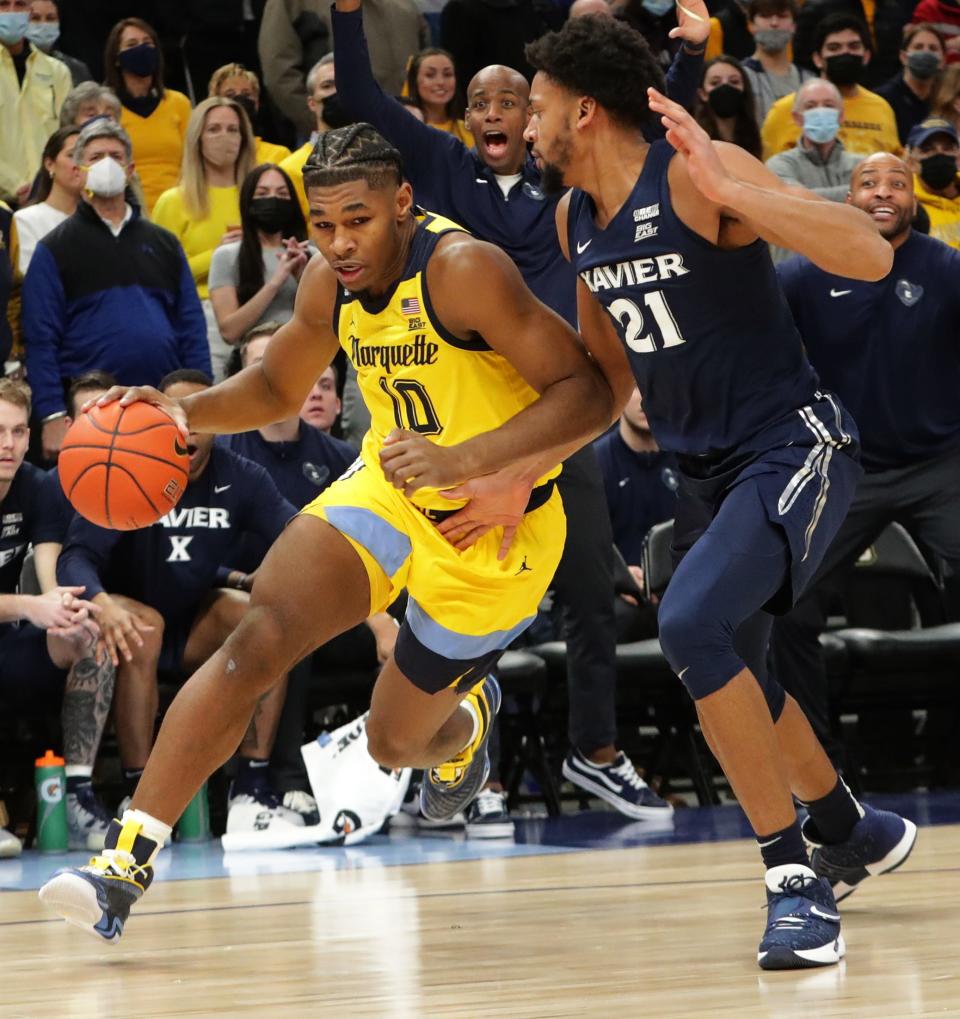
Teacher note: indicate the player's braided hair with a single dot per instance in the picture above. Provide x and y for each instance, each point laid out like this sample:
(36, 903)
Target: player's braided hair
(349, 153)
(604, 58)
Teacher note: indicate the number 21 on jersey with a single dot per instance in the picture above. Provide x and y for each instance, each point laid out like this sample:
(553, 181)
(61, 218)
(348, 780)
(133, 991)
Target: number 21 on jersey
(631, 318)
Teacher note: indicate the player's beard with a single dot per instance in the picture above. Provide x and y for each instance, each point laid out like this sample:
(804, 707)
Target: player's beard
(901, 226)
(551, 176)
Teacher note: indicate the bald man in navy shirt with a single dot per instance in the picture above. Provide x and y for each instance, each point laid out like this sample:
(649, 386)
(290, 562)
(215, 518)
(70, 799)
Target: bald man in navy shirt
(891, 351)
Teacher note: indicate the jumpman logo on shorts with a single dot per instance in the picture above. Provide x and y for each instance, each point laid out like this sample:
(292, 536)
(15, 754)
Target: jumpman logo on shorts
(523, 567)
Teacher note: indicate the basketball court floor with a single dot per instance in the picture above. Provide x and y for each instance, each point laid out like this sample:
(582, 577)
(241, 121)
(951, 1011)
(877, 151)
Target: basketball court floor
(584, 915)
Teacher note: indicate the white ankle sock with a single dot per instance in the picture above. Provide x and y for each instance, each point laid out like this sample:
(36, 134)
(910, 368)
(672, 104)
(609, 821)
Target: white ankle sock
(151, 827)
(467, 706)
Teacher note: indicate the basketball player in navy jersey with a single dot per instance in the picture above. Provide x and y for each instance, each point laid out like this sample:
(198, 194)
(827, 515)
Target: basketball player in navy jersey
(677, 290)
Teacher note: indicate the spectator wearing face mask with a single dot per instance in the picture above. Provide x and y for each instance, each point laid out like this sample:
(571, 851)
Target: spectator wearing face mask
(771, 73)
(86, 101)
(322, 103)
(203, 211)
(654, 20)
(944, 15)
(725, 107)
(909, 92)
(106, 290)
(44, 31)
(818, 162)
(236, 82)
(155, 117)
(932, 155)
(882, 19)
(842, 52)
(33, 87)
(255, 279)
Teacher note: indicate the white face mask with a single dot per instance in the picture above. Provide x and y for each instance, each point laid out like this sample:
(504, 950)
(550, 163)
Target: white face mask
(106, 178)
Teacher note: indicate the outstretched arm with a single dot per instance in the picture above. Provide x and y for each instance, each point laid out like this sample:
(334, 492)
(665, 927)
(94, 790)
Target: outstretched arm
(838, 238)
(574, 403)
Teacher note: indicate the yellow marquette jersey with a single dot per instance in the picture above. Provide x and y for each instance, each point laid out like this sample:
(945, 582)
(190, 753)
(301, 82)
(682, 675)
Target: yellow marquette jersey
(414, 374)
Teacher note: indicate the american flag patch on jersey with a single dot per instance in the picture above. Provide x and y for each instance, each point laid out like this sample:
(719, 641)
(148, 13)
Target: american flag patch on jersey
(410, 305)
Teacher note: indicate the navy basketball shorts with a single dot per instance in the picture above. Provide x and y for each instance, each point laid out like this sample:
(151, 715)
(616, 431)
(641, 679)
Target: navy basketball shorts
(751, 529)
(28, 678)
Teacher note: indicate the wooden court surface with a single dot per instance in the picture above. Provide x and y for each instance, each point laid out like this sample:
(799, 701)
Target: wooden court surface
(660, 931)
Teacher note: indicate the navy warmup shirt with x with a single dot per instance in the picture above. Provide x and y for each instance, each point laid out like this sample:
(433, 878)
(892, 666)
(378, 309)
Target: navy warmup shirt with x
(173, 564)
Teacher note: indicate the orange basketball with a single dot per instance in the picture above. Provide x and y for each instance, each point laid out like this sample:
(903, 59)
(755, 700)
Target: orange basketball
(123, 467)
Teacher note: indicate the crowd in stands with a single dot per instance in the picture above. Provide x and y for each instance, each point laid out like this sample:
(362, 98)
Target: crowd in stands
(154, 230)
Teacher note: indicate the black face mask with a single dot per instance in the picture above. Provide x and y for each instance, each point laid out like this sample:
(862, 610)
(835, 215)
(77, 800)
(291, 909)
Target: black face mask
(845, 68)
(334, 115)
(938, 171)
(271, 215)
(249, 106)
(140, 60)
(725, 100)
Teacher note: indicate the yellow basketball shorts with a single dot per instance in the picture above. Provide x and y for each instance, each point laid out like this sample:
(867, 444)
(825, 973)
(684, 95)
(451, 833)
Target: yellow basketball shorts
(464, 608)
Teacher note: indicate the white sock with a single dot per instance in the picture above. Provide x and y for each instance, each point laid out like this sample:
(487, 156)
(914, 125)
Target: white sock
(151, 827)
(79, 771)
(467, 706)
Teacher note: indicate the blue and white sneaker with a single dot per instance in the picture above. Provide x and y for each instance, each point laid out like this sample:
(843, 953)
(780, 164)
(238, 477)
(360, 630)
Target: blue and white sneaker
(618, 784)
(87, 820)
(449, 788)
(803, 925)
(97, 898)
(880, 842)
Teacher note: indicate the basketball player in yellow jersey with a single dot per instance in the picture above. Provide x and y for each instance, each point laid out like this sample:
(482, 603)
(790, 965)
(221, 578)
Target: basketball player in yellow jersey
(451, 350)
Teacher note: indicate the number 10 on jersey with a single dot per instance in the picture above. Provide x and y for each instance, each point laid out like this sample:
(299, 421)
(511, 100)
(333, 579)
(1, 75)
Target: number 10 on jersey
(630, 317)
(412, 407)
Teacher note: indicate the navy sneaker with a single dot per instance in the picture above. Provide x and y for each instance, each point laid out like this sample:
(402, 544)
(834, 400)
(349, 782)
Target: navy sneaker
(88, 821)
(803, 925)
(447, 789)
(97, 898)
(880, 842)
(618, 783)
(488, 818)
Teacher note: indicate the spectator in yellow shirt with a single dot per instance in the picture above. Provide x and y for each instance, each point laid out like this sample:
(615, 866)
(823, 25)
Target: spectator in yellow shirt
(932, 151)
(153, 116)
(240, 84)
(203, 210)
(321, 84)
(432, 85)
(842, 51)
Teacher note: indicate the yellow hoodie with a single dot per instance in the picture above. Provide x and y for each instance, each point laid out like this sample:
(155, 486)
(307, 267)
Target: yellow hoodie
(944, 213)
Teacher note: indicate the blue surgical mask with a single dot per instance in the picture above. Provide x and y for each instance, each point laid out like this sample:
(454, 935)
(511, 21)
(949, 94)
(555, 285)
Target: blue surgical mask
(13, 26)
(821, 124)
(43, 34)
(658, 7)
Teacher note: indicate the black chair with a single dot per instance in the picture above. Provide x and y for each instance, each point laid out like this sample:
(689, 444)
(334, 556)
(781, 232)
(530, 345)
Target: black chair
(891, 672)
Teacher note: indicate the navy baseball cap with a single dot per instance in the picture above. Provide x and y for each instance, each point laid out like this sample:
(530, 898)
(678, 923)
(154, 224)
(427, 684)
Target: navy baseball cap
(928, 128)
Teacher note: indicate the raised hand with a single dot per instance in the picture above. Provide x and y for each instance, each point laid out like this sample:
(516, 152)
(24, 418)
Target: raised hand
(693, 23)
(704, 166)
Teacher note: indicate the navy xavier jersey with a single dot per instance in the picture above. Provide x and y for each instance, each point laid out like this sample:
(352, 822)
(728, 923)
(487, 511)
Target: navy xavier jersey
(29, 514)
(709, 335)
(173, 564)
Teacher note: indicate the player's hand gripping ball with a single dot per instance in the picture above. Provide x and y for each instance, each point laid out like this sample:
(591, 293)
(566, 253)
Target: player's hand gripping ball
(123, 467)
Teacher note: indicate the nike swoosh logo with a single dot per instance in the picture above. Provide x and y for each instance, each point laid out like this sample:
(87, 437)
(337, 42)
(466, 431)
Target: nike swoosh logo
(824, 916)
(839, 293)
(763, 845)
(623, 481)
(220, 488)
(682, 671)
(480, 180)
(581, 248)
